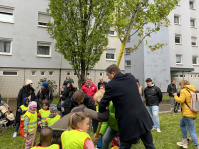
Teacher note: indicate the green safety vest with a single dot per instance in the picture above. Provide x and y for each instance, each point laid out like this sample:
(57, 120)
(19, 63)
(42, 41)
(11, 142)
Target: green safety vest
(54, 146)
(74, 139)
(32, 120)
(23, 108)
(44, 115)
(51, 121)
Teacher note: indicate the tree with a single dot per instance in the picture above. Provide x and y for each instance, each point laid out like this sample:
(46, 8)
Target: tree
(51, 84)
(139, 19)
(80, 29)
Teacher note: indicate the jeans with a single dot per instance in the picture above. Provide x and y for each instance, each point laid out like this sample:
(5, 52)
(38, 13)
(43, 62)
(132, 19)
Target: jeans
(153, 112)
(17, 127)
(146, 138)
(172, 102)
(188, 123)
(108, 137)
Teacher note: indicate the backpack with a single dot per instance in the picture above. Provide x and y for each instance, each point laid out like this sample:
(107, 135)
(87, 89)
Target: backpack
(194, 101)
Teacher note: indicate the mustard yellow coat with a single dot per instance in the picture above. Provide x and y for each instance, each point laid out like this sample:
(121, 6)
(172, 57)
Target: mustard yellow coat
(185, 95)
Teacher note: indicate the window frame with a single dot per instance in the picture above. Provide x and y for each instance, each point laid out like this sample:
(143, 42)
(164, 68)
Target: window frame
(44, 44)
(181, 59)
(179, 19)
(10, 11)
(126, 63)
(2, 73)
(196, 42)
(111, 51)
(43, 72)
(7, 39)
(127, 51)
(43, 13)
(178, 35)
(50, 74)
(112, 34)
(101, 73)
(194, 7)
(196, 60)
(34, 74)
(195, 24)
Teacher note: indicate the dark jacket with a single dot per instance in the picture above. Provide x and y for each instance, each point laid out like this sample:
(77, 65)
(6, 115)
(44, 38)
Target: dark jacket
(104, 83)
(171, 89)
(22, 94)
(65, 83)
(130, 112)
(153, 95)
(41, 95)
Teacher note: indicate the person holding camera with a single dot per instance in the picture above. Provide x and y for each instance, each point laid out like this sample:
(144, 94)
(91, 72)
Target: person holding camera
(188, 116)
(171, 89)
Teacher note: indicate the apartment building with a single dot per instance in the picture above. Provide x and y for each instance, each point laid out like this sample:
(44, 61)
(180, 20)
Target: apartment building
(179, 59)
(27, 51)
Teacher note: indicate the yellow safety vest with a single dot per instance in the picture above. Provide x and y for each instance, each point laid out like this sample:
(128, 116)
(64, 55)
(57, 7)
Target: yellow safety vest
(23, 108)
(51, 121)
(74, 139)
(44, 115)
(32, 120)
(54, 146)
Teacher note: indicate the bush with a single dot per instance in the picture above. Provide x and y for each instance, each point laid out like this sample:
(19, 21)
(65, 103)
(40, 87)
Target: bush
(51, 84)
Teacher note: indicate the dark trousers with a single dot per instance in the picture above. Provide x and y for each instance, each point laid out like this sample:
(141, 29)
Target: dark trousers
(146, 138)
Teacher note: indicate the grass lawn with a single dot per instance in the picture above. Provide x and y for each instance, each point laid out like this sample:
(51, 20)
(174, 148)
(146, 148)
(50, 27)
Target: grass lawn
(165, 97)
(165, 140)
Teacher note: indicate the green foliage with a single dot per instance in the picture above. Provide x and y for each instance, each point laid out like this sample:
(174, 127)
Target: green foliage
(141, 18)
(80, 29)
(51, 84)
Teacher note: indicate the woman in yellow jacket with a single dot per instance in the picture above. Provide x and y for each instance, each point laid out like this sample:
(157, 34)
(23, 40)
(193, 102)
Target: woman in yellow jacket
(188, 116)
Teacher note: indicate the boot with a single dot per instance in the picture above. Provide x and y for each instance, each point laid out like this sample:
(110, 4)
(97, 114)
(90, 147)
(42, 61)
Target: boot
(183, 144)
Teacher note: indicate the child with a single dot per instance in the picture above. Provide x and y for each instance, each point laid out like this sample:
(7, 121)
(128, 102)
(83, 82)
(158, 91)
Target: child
(22, 110)
(43, 113)
(46, 137)
(76, 136)
(30, 124)
(53, 117)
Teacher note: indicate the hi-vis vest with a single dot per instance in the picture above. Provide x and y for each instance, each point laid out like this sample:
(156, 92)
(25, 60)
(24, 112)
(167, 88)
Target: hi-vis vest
(54, 146)
(23, 108)
(32, 120)
(74, 139)
(44, 115)
(51, 121)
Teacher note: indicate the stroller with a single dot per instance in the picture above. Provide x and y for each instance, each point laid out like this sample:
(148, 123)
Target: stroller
(7, 118)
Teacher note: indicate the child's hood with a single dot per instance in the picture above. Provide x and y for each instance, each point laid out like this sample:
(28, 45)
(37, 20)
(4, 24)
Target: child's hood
(24, 100)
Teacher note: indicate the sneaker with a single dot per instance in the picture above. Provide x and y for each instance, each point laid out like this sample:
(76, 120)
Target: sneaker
(158, 130)
(183, 144)
(153, 128)
(14, 135)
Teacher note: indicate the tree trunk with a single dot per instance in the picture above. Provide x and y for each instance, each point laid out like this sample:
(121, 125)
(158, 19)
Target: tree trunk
(82, 75)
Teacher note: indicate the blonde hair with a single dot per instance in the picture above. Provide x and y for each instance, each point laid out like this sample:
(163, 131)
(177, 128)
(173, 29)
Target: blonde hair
(76, 118)
(183, 83)
(98, 96)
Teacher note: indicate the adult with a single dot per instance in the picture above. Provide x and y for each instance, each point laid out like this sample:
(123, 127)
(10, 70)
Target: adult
(171, 89)
(26, 91)
(66, 81)
(45, 93)
(153, 97)
(89, 87)
(188, 116)
(101, 82)
(140, 89)
(64, 104)
(133, 119)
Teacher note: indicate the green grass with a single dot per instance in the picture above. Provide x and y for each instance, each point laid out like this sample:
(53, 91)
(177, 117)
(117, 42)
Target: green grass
(55, 101)
(167, 139)
(165, 97)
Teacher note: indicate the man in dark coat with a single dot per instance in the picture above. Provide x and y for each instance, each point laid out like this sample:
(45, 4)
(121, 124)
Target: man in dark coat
(171, 90)
(133, 119)
(101, 82)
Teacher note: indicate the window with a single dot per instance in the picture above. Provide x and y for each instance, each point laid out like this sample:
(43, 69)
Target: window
(192, 4)
(88, 73)
(129, 39)
(193, 22)
(110, 54)
(10, 73)
(191, 76)
(178, 3)
(68, 73)
(5, 46)
(178, 59)
(195, 76)
(43, 19)
(50, 73)
(175, 76)
(182, 76)
(101, 74)
(42, 73)
(194, 41)
(194, 60)
(127, 51)
(6, 14)
(176, 19)
(75, 74)
(33, 73)
(111, 32)
(178, 39)
(128, 63)
(43, 49)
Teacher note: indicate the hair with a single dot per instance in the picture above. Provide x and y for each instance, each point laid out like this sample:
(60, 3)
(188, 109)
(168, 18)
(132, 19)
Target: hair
(76, 118)
(183, 83)
(172, 80)
(46, 102)
(113, 68)
(102, 85)
(88, 78)
(137, 81)
(46, 135)
(78, 95)
(148, 80)
(98, 96)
